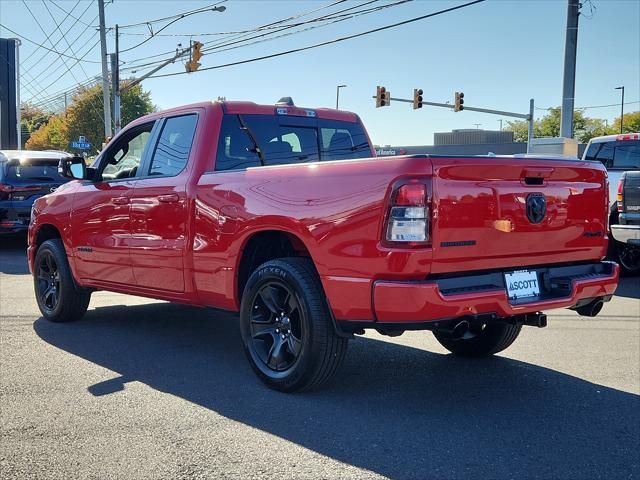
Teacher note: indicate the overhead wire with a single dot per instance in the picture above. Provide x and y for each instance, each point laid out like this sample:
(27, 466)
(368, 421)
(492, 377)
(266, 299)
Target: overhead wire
(328, 42)
(338, 18)
(26, 39)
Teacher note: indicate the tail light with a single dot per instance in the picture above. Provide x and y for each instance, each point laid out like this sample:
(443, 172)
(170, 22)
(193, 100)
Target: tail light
(5, 191)
(620, 195)
(408, 219)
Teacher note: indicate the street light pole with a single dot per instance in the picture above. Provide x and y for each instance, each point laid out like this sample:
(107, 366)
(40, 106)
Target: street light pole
(621, 109)
(338, 94)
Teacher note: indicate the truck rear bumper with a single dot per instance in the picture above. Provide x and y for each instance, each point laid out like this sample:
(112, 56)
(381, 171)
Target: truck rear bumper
(485, 293)
(626, 233)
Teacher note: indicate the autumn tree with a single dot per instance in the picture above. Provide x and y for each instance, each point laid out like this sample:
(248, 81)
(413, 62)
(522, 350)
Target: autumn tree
(31, 119)
(84, 116)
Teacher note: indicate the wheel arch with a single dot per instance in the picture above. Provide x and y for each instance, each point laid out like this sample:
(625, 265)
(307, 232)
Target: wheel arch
(263, 245)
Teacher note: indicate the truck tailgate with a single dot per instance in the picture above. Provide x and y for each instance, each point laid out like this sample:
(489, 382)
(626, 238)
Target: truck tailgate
(493, 213)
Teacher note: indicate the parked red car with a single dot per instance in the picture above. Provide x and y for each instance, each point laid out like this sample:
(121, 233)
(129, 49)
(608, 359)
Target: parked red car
(284, 215)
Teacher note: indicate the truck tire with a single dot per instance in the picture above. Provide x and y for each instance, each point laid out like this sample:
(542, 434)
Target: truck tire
(625, 255)
(286, 328)
(58, 297)
(493, 338)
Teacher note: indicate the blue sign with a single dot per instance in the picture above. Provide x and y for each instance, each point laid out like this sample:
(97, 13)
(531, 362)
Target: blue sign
(81, 144)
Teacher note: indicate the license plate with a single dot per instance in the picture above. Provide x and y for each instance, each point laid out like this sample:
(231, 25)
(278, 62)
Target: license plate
(523, 283)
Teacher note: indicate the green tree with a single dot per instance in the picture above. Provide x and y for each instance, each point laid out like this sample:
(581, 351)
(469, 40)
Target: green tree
(31, 119)
(84, 116)
(584, 128)
(631, 123)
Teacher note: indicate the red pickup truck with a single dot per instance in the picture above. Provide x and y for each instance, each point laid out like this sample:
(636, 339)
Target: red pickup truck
(284, 215)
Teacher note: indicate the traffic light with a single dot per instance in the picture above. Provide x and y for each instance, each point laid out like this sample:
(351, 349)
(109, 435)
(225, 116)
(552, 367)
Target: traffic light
(459, 102)
(193, 64)
(383, 98)
(417, 98)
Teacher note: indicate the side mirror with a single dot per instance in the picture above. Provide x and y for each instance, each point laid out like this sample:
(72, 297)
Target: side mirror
(73, 168)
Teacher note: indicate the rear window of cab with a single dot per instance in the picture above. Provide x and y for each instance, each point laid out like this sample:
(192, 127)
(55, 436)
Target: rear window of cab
(261, 140)
(615, 154)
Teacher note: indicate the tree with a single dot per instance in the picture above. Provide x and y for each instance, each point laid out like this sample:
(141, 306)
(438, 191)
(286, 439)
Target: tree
(584, 128)
(631, 123)
(53, 135)
(84, 116)
(31, 119)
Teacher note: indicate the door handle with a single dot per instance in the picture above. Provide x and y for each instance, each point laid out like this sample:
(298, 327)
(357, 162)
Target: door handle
(170, 198)
(120, 200)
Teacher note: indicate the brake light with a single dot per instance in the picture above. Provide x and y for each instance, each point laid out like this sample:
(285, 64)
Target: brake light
(630, 136)
(408, 221)
(620, 196)
(5, 190)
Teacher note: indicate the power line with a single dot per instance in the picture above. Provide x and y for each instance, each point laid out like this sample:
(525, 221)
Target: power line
(177, 15)
(56, 44)
(50, 65)
(338, 18)
(69, 14)
(266, 25)
(329, 42)
(42, 46)
(592, 106)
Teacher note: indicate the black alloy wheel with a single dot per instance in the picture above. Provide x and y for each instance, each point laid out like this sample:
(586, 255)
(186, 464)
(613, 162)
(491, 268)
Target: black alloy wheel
(58, 297)
(287, 332)
(276, 326)
(48, 278)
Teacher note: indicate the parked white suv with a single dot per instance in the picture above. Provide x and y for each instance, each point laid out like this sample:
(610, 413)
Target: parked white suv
(619, 153)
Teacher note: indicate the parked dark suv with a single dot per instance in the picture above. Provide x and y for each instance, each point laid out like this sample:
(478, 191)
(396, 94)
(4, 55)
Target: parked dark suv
(25, 176)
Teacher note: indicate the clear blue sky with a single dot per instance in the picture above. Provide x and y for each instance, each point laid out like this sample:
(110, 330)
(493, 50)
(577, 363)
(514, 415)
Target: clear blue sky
(500, 53)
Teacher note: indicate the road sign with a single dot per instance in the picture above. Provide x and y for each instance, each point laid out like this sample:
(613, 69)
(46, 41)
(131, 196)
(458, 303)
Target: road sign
(81, 143)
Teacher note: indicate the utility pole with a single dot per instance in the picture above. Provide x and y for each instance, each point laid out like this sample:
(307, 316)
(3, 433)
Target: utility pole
(530, 133)
(569, 80)
(115, 74)
(105, 73)
(621, 109)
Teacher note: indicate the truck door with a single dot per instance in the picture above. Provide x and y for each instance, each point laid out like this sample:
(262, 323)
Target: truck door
(101, 220)
(159, 208)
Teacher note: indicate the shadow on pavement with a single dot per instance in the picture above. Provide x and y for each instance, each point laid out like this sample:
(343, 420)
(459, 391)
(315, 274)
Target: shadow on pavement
(13, 254)
(395, 410)
(628, 287)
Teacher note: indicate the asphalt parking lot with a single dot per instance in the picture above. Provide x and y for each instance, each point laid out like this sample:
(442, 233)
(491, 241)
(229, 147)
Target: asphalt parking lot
(147, 389)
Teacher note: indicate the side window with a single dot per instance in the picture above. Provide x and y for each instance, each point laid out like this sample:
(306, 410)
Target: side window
(291, 145)
(602, 152)
(122, 160)
(174, 144)
(235, 148)
(342, 141)
(626, 154)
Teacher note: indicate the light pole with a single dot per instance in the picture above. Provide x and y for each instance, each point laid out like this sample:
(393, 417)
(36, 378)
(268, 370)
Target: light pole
(621, 109)
(500, 124)
(338, 94)
(477, 125)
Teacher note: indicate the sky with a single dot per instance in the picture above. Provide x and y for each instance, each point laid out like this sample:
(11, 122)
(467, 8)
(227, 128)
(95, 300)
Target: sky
(500, 53)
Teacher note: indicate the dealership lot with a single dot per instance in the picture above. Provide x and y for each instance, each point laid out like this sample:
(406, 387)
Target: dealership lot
(145, 389)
